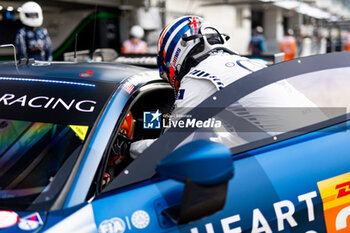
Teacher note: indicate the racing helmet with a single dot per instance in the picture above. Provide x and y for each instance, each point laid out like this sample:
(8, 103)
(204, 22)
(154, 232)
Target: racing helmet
(128, 127)
(136, 31)
(31, 14)
(259, 30)
(184, 43)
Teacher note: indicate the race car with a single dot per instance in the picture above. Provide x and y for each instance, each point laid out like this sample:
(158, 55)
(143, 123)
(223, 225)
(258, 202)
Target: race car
(62, 170)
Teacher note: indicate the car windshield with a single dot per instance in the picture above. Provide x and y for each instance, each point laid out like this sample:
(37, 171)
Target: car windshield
(43, 127)
(31, 153)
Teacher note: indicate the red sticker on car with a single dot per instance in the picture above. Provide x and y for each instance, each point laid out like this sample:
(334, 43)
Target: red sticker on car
(86, 74)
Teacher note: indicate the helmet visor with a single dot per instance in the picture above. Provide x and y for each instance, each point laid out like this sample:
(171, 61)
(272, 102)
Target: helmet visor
(32, 15)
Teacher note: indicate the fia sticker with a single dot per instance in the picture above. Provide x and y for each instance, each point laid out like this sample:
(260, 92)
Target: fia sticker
(113, 225)
(30, 222)
(8, 218)
(140, 219)
(86, 74)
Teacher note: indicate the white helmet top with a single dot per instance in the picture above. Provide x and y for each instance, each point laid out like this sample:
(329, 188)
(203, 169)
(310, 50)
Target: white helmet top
(136, 31)
(259, 29)
(290, 32)
(185, 42)
(31, 14)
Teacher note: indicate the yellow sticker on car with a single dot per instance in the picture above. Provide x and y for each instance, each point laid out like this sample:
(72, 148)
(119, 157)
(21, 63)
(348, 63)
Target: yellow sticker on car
(335, 194)
(80, 130)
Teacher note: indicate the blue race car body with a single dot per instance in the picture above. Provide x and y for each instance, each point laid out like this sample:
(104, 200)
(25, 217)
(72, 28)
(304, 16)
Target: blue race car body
(60, 122)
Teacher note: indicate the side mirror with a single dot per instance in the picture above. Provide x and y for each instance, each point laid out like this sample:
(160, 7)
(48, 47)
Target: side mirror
(205, 167)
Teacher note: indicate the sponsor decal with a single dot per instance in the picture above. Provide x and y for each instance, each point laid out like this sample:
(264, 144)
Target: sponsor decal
(335, 193)
(140, 219)
(8, 218)
(128, 87)
(80, 130)
(151, 120)
(134, 81)
(196, 73)
(47, 102)
(86, 74)
(114, 225)
(176, 55)
(284, 211)
(230, 64)
(30, 222)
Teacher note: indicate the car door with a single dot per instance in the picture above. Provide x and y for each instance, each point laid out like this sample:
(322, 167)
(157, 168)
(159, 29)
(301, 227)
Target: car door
(292, 179)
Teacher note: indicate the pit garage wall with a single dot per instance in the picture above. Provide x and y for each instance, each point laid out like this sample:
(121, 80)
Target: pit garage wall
(62, 24)
(232, 20)
(273, 19)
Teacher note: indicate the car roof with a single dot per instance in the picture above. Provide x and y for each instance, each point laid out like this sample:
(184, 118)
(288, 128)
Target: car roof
(99, 71)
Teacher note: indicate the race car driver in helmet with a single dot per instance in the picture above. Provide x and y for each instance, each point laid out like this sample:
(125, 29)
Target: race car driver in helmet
(33, 41)
(197, 61)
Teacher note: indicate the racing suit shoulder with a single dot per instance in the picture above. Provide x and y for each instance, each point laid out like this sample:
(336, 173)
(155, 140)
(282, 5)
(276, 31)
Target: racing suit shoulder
(221, 69)
(211, 75)
(44, 30)
(21, 31)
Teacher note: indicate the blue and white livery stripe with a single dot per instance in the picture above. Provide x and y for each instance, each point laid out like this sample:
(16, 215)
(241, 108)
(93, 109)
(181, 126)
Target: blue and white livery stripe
(174, 42)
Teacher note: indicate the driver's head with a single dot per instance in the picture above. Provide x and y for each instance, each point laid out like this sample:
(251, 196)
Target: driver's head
(31, 14)
(185, 42)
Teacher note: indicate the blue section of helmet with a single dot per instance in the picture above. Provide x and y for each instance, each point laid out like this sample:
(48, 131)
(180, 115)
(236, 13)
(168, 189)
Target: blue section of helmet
(159, 64)
(170, 31)
(174, 42)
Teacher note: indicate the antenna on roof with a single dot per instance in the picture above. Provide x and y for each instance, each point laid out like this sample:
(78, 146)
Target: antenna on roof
(93, 33)
(14, 53)
(75, 47)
